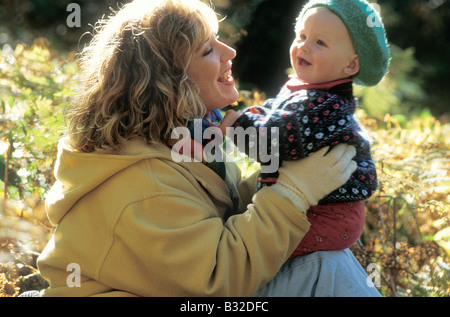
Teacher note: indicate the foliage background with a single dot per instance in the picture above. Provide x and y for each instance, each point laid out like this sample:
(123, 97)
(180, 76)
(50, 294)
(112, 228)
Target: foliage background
(407, 232)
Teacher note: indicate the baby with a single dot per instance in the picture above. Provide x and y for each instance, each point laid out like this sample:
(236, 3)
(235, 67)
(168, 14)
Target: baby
(337, 42)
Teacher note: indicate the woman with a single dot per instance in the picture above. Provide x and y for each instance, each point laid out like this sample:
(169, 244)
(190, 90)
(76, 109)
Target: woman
(131, 221)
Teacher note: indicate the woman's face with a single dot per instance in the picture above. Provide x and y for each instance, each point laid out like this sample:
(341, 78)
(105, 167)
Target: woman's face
(210, 68)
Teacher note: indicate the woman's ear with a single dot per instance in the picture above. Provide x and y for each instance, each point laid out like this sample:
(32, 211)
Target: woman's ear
(353, 66)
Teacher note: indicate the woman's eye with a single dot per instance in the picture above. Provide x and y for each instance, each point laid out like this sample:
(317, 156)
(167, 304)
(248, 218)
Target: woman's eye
(208, 51)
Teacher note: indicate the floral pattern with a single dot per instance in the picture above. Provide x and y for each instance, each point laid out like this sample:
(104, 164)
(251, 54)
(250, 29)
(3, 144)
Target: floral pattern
(309, 120)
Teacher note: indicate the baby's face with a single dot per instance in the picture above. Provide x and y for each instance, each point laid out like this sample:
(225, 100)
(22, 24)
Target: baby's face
(323, 50)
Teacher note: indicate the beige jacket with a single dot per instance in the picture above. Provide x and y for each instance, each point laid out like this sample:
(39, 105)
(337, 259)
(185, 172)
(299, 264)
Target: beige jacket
(139, 224)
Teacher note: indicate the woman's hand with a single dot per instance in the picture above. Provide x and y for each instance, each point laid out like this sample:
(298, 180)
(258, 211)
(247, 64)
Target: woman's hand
(228, 120)
(308, 180)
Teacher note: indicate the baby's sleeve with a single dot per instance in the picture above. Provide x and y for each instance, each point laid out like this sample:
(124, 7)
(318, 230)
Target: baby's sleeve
(330, 122)
(324, 120)
(268, 132)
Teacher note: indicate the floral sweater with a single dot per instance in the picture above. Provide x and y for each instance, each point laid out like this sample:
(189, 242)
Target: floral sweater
(310, 117)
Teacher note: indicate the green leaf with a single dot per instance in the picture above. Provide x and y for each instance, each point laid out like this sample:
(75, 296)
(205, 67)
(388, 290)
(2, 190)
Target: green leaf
(13, 178)
(11, 101)
(425, 114)
(24, 127)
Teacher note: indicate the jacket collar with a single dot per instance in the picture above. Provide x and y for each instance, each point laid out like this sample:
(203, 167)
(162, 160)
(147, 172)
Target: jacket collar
(79, 173)
(209, 180)
(295, 84)
(342, 87)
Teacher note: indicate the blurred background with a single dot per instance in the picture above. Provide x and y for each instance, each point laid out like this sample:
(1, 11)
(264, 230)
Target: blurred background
(262, 31)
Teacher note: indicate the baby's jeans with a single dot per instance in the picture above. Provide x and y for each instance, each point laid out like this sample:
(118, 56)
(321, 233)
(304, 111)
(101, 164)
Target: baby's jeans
(321, 274)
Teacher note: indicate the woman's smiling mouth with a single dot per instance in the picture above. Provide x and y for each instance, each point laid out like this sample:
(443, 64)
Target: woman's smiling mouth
(226, 77)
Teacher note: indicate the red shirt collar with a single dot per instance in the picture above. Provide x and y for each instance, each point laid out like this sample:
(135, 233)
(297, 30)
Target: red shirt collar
(295, 84)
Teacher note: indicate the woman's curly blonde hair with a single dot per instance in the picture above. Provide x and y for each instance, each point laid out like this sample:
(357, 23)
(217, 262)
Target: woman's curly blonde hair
(133, 75)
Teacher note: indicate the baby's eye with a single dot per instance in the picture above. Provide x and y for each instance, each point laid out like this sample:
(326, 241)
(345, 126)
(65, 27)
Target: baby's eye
(302, 37)
(321, 43)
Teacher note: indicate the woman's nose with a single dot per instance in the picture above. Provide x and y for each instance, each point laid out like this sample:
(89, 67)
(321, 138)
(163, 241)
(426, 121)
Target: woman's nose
(228, 53)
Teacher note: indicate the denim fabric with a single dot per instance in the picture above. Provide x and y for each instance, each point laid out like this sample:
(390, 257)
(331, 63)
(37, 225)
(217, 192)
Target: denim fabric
(320, 274)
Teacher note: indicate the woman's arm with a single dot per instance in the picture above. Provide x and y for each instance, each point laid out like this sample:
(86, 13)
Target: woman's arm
(179, 246)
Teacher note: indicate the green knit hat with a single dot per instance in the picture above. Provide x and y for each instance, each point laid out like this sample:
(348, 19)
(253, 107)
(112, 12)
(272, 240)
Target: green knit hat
(367, 33)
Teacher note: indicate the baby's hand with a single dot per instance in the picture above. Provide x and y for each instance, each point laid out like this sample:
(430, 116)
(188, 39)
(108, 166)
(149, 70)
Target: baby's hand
(228, 120)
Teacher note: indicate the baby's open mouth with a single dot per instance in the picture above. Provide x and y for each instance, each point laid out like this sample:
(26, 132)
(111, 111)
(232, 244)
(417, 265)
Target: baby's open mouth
(303, 62)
